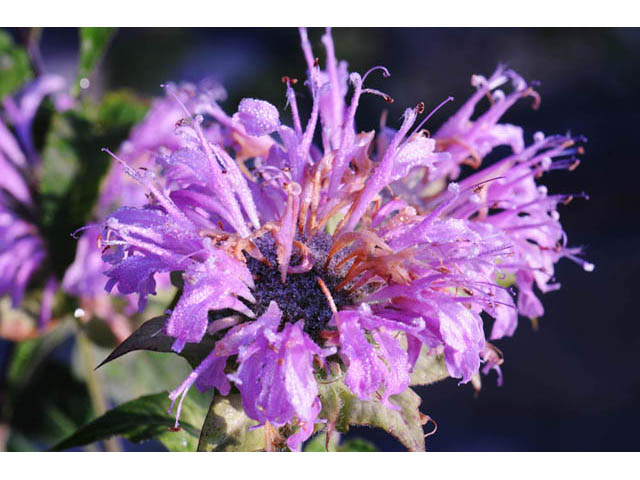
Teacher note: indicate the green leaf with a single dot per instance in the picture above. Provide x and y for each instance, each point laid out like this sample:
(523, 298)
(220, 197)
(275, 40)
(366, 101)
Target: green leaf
(226, 428)
(72, 148)
(505, 279)
(342, 409)
(318, 444)
(60, 158)
(18, 442)
(132, 375)
(357, 445)
(15, 68)
(140, 373)
(100, 333)
(42, 402)
(73, 166)
(142, 419)
(93, 43)
(28, 355)
(50, 406)
(429, 369)
(121, 109)
(150, 336)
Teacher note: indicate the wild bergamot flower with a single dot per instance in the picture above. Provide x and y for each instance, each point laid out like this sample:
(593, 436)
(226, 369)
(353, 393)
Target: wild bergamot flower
(23, 251)
(351, 255)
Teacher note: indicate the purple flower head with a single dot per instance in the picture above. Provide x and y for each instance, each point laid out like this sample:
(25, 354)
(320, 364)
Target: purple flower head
(22, 249)
(301, 263)
(506, 195)
(23, 252)
(86, 276)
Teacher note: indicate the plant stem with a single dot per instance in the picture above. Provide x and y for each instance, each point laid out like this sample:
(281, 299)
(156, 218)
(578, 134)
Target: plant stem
(94, 386)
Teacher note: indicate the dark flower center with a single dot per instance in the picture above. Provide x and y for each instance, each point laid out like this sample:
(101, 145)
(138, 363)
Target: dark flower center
(301, 297)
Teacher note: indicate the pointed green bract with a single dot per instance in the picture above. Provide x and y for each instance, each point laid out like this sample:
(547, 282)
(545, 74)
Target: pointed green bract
(428, 369)
(342, 408)
(227, 428)
(150, 336)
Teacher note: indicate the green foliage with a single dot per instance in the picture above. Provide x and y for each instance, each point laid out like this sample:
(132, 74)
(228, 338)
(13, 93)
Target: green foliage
(131, 376)
(41, 401)
(120, 110)
(506, 280)
(15, 68)
(28, 355)
(342, 409)
(60, 160)
(318, 444)
(150, 336)
(142, 419)
(428, 369)
(357, 445)
(73, 165)
(93, 43)
(140, 373)
(44, 402)
(226, 428)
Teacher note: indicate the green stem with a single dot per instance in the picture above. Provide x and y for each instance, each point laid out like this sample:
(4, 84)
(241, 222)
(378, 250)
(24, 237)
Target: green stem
(94, 386)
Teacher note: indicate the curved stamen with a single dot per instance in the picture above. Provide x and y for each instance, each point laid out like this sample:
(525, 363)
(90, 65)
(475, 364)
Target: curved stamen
(385, 72)
(373, 91)
(442, 104)
(174, 94)
(587, 266)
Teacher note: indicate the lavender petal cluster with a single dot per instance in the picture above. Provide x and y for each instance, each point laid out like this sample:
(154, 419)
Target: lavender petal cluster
(23, 251)
(85, 277)
(355, 254)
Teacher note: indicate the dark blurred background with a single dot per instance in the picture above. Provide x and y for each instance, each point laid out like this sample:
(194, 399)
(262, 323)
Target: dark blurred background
(571, 385)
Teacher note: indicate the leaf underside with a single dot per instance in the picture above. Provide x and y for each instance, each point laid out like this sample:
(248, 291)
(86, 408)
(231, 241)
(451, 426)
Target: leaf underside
(150, 336)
